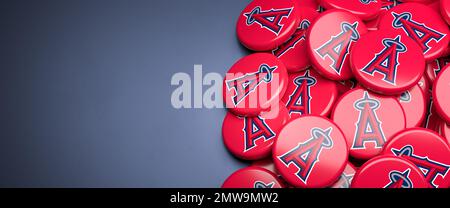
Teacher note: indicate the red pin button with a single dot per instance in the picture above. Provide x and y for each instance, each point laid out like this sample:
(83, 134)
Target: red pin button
(441, 91)
(310, 152)
(445, 10)
(364, 9)
(414, 103)
(330, 39)
(293, 53)
(436, 66)
(422, 24)
(427, 150)
(264, 24)
(389, 172)
(308, 93)
(368, 120)
(254, 83)
(346, 177)
(386, 62)
(252, 177)
(445, 131)
(251, 138)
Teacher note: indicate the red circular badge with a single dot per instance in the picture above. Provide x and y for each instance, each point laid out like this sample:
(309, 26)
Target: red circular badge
(427, 150)
(254, 83)
(346, 177)
(293, 53)
(389, 172)
(252, 177)
(414, 103)
(441, 89)
(251, 138)
(368, 120)
(445, 10)
(422, 24)
(264, 24)
(435, 67)
(308, 93)
(364, 9)
(310, 152)
(330, 39)
(386, 62)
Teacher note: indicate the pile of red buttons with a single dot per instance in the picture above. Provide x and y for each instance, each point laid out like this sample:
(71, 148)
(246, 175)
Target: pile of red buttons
(341, 94)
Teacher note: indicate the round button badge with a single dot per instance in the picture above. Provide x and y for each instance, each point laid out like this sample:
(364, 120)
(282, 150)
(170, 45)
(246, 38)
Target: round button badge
(308, 93)
(252, 177)
(427, 150)
(330, 39)
(265, 24)
(310, 152)
(386, 62)
(251, 138)
(254, 84)
(368, 120)
(389, 172)
(422, 24)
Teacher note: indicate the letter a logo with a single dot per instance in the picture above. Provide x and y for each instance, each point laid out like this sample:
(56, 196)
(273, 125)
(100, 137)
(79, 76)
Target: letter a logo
(417, 31)
(255, 128)
(268, 19)
(244, 85)
(399, 179)
(300, 100)
(430, 168)
(368, 127)
(305, 155)
(386, 61)
(337, 47)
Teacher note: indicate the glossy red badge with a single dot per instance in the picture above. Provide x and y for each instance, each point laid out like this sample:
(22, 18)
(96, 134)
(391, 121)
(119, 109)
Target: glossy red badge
(252, 177)
(427, 150)
(345, 180)
(445, 10)
(364, 9)
(251, 138)
(265, 24)
(389, 172)
(308, 93)
(310, 152)
(368, 120)
(441, 98)
(386, 62)
(414, 103)
(330, 39)
(254, 84)
(435, 67)
(293, 53)
(422, 24)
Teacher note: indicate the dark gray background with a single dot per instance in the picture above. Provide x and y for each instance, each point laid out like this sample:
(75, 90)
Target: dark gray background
(85, 92)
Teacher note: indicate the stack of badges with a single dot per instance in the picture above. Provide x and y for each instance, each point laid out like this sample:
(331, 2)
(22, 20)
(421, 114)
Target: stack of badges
(340, 94)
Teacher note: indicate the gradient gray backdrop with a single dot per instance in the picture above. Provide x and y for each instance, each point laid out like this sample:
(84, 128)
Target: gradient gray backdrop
(85, 92)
